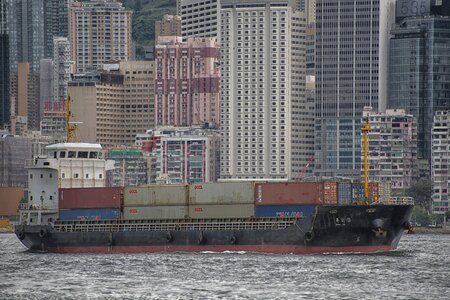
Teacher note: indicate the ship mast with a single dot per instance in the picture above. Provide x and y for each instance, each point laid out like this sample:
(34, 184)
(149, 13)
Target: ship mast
(71, 126)
(365, 131)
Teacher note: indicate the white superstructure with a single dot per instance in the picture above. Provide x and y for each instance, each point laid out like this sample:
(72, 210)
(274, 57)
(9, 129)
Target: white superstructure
(66, 165)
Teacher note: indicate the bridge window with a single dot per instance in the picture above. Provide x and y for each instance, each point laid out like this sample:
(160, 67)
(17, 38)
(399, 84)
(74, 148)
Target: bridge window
(100, 176)
(72, 154)
(93, 154)
(82, 154)
(62, 154)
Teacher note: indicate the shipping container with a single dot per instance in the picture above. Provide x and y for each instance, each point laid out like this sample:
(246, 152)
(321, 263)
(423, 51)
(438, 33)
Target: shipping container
(293, 193)
(221, 193)
(89, 214)
(154, 212)
(95, 197)
(344, 193)
(221, 211)
(284, 211)
(358, 191)
(156, 195)
(330, 193)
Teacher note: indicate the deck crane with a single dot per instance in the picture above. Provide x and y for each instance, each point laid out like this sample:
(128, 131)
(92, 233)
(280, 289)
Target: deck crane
(365, 131)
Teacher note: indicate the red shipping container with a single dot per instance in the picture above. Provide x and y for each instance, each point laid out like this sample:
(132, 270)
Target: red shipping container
(100, 197)
(330, 192)
(290, 193)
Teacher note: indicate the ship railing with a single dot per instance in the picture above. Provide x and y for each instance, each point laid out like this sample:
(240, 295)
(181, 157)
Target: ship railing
(397, 201)
(260, 225)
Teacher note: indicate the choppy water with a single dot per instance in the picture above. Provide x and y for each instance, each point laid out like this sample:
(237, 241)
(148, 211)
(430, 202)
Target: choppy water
(419, 269)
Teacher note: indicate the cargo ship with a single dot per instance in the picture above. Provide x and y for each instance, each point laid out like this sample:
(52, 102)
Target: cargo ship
(70, 210)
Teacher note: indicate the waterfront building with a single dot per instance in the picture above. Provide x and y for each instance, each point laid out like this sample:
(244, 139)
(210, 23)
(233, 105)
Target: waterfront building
(392, 149)
(14, 152)
(181, 154)
(100, 31)
(187, 81)
(54, 121)
(130, 167)
(352, 48)
(262, 59)
(420, 70)
(440, 158)
(116, 105)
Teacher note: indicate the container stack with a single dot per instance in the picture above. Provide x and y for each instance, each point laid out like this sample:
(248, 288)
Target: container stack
(221, 200)
(208, 200)
(292, 199)
(90, 203)
(358, 191)
(156, 202)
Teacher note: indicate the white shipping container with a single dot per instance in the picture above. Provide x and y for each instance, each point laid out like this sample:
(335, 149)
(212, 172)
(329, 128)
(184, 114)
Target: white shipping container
(221, 193)
(156, 195)
(221, 211)
(154, 212)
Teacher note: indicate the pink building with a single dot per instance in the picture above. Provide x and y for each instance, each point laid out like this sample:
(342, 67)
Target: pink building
(187, 81)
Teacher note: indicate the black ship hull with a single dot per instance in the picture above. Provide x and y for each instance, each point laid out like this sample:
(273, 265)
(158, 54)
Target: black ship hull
(364, 228)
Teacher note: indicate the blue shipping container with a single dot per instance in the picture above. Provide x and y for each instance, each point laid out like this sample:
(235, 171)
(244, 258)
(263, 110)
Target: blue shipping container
(344, 193)
(284, 211)
(89, 214)
(357, 192)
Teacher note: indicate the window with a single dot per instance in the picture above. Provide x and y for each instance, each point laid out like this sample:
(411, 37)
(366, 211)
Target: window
(82, 154)
(87, 176)
(42, 175)
(63, 175)
(31, 176)
(62, 154)
(50, 175)
(72, 154)
(100, 176)
(75, 175)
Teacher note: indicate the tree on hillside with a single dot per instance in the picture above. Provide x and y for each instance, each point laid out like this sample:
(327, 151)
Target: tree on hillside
(421, 191)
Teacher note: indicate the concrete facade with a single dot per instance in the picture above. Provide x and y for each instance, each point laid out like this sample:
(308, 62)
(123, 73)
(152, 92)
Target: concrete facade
(187, 81)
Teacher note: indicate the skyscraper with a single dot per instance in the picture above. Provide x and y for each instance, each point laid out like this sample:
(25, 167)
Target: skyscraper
(32, 26)
(62, 67)
(100, 31)
(440, 157)
(259, 111)
(420, 70)
(199, 18)
(5, 105)
(352, 47)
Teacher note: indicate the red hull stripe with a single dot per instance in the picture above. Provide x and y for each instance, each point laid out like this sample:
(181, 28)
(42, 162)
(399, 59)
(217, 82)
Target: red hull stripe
(276, 249)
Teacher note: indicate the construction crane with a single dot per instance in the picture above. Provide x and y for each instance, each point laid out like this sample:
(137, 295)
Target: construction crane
(365, 131)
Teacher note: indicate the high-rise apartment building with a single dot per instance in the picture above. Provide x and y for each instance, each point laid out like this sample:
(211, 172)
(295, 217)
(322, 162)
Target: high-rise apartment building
(31, 27)
(308, 7)
(182, 154)
(259, 107)
(199, 18)
(352, 47)
(100, 32)
(440, 157)
(118, 106)
(62, 68)
(419, 73)
(392, 148)
(14, 152)
(187, 81)
(5, 102)
(168, 26)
